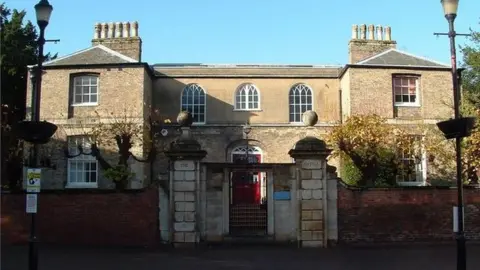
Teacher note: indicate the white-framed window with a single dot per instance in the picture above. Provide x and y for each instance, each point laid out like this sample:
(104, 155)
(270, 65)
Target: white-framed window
(247, 97)
(406, 90)
(300, 100)
(83, 169)
(85, 90)
(193, 100)
(413, 171)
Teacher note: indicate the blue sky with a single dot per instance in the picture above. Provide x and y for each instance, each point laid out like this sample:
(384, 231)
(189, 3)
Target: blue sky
(255, 31)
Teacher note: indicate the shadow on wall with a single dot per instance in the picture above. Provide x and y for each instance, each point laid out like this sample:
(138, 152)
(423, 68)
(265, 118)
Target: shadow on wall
(167, 96)
(55, 167)
(221, 122)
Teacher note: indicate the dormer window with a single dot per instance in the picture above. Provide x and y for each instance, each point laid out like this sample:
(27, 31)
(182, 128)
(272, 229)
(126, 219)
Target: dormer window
(85, 90)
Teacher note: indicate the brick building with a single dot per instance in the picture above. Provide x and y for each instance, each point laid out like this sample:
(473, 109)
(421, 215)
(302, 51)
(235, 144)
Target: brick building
(109, 77)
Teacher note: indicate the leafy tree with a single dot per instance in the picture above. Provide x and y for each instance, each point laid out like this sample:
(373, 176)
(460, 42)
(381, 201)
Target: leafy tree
(18, 48)
(373, 147)
(471, 104)
(471, 74)
(120, 134)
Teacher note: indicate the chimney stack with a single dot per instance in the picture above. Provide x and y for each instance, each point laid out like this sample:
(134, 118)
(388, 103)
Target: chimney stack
(361, 48)
(119, 36)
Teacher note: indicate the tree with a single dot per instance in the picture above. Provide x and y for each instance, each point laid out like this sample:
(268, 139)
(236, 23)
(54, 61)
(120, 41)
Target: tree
(373, 146)
(18, 48)
(471, 74)
(119, 134)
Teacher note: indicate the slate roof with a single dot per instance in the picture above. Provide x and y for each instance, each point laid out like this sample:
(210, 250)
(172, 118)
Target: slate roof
(394, 57)
(246, 71)
(94, 55)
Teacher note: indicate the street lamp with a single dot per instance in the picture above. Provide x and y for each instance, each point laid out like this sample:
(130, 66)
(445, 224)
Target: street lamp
(456, 128)
(246, 130)
(35, 131)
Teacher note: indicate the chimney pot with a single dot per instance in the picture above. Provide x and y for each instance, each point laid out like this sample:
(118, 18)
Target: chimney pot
(97, 30)
(388, 33)
(379, 32)
(355, 31)
(126, 29)
(111, 30)
(363, 31)
(118, 30)
(371, 32)
(135, 29)
(103, 32)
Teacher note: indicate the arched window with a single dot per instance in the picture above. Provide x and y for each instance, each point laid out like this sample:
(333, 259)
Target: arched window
(300, 101)
(247, 97)
(193, 101)
(254, 153)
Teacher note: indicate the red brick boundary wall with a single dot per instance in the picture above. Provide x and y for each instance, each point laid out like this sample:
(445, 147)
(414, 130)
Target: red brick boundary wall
(420, 214)
(127, 218)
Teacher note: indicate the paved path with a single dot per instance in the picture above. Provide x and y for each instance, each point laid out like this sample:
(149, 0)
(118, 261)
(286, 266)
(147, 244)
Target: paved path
(238, 258)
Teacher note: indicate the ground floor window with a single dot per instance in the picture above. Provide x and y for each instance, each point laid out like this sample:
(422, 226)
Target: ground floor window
(82, 169)
(413, 163)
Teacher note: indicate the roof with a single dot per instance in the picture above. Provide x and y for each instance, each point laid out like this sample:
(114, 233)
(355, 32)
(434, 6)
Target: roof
(192, 70)
(397, 58)
(94, 55)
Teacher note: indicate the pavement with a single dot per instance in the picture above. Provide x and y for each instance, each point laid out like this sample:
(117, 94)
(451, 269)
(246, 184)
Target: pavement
(411, 257)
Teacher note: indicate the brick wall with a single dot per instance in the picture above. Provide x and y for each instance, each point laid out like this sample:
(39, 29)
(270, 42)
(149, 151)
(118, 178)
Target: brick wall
(76, 217)
(403, 214)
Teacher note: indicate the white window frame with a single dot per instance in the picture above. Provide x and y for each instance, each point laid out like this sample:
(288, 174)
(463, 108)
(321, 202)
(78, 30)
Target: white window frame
(298, 90)
(194, 89)
(404, 87)
(78, 82)
(73, 141)
(243, 90)
(420, 167)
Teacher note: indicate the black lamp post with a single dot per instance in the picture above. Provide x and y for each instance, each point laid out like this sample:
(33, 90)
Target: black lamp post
(246, 130)
(34, 131)
(456, 128)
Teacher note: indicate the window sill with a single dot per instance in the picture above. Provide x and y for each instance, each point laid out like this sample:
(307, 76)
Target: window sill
(247, 110)
(409, 105)
(412, 184)
(84, 105)
(73, 186)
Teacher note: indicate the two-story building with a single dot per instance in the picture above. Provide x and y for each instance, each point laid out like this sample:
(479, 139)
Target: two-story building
(110, 77)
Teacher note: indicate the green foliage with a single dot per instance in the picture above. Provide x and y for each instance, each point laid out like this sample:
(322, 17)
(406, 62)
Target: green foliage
(471, 74)
(350, 173)
(119, 174)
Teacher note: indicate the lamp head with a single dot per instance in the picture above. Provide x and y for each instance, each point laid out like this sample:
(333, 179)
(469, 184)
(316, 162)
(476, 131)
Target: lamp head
(43, 11)
(450, 8)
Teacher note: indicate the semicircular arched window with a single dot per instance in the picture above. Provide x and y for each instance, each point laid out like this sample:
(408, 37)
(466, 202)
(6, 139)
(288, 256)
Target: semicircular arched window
(247, 97)
(194, 101)
(300, 100)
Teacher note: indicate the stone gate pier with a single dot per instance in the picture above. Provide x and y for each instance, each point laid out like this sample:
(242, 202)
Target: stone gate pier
(315, 193)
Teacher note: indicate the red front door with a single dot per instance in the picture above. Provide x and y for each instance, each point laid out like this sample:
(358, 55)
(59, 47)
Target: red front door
(246, 185)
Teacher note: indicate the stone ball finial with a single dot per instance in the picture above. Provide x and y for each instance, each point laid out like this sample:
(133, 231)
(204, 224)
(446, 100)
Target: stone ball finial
(185, 119)
(310, 118)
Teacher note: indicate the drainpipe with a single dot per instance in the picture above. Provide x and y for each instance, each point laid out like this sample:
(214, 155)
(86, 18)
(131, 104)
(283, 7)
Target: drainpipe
(340, 107)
